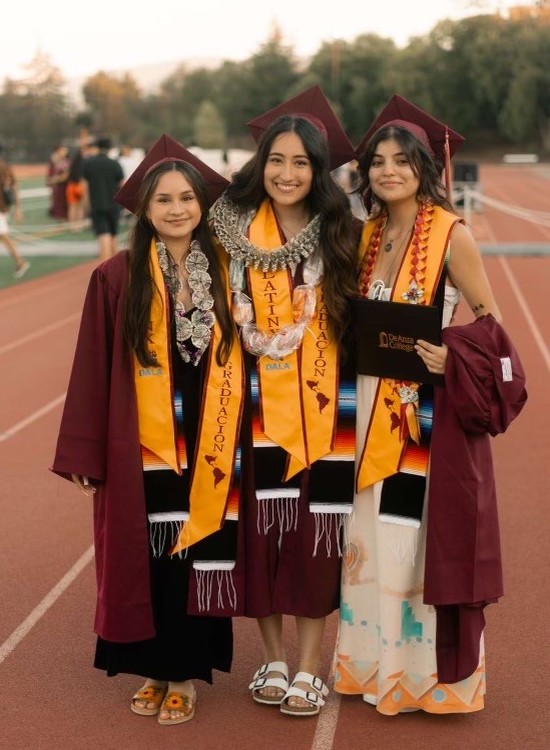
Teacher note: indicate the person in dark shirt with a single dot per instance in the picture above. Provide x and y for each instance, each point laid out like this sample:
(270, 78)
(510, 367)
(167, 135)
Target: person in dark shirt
(103, 177)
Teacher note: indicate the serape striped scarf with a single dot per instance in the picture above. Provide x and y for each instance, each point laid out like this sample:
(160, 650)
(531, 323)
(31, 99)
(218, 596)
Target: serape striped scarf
(330, 481)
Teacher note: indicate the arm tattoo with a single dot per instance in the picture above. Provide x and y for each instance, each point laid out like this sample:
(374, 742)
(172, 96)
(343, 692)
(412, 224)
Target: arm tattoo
(478, 308)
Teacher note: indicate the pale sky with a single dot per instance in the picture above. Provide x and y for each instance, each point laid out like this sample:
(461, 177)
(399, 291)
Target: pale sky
(84, 37)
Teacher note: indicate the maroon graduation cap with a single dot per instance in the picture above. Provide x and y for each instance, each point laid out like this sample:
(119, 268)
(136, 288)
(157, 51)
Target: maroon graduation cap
(313, 105)
(167, 149)
(439, 138)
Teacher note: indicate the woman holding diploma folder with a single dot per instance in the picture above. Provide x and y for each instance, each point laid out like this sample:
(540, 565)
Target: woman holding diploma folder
(402, 646)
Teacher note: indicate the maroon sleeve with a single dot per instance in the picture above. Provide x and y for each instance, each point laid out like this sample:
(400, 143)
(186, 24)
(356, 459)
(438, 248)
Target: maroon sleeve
(82, 441)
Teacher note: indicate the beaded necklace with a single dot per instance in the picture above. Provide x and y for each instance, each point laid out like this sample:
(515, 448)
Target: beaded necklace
(231, 225)
(198, 328)
(419, 243)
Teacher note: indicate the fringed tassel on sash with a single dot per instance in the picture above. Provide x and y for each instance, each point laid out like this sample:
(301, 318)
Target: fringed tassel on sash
(280, 509)
(328, 528)
(215, 578)
(164, 529)
(401, 538)
(330, 480)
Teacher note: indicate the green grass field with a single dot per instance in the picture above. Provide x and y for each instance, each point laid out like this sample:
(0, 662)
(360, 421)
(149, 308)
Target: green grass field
(38, 230)
(36, 220)
(41, 265)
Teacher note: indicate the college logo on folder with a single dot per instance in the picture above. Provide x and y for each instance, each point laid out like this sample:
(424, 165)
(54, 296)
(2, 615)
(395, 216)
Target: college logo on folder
(385, 334)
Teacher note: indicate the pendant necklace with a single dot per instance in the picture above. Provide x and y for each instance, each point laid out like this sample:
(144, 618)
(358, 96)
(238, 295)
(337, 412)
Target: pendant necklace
(389, 244)
(290, 233)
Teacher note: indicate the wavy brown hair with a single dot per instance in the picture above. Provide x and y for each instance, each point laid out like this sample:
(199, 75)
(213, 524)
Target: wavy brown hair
(338, 241)
(425, 168)
(141, 286)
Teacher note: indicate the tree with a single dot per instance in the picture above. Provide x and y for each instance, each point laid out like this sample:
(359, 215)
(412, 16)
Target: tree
(114, 104)
(35, 112)
(209, 129)
(356, 78)
(179, 100)
(271, 78)
(230, 81)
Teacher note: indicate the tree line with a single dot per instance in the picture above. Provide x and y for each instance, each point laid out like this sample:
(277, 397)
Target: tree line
(487, 76)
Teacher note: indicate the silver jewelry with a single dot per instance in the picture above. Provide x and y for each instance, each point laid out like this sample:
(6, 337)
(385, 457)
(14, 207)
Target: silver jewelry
(198, 328)
(278, 345)
(231, 226)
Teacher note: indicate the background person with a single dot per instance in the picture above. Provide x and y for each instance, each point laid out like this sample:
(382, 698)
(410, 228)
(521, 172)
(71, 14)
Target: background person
(155, 322)
(76, 207)
(8, 181)
(58, 175)
(103, 177)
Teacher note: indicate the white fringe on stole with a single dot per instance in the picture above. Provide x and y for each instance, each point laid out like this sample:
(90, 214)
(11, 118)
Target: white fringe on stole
(165, 527)
(219, 574)
(329, 522)
(277, 506)
(400, 534)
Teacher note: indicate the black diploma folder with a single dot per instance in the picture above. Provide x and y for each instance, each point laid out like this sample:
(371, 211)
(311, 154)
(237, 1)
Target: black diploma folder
(385, 334)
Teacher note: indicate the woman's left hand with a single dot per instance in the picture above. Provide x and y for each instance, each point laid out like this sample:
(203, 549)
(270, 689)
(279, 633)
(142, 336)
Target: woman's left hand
(434, 357)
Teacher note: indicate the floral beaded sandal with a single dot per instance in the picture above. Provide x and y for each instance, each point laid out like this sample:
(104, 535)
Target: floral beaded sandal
(182, 703)
(148, 699)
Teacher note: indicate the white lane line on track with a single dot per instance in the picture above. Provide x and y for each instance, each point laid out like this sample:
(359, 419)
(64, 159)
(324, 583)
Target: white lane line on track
(40, 610)
(327, 723)
(535, 330)
(40, 332)
(11, 431)
(38, 291)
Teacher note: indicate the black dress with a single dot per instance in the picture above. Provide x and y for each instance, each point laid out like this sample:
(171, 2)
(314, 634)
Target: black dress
(186, 647)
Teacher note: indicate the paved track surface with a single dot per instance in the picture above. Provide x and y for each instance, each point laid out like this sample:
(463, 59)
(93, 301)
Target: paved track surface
(51, 695)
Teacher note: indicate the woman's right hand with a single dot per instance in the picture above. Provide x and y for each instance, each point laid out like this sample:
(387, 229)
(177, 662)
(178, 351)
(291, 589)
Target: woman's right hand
(83, 484)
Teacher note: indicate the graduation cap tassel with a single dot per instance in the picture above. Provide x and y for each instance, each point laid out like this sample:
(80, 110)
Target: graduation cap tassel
(448, 180)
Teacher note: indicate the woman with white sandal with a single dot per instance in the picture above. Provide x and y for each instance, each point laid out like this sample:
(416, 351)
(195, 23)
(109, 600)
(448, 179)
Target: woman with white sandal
(288, 230)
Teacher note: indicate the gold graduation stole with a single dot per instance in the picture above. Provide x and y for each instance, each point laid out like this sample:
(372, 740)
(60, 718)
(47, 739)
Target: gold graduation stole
(298, 394)
(220, 418)
(393, 419)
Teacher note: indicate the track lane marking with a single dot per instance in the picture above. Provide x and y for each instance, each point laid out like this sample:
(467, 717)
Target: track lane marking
(40, 332)
(48, 601)
(327, 722)
(535, 330)
(18, 426)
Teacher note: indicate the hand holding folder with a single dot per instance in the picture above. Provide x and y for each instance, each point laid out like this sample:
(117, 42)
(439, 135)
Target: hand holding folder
(385, 334)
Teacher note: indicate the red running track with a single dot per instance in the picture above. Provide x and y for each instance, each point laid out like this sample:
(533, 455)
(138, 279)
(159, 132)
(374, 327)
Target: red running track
(52, 696)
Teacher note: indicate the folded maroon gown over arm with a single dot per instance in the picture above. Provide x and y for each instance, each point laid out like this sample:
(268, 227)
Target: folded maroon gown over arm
(484, 391)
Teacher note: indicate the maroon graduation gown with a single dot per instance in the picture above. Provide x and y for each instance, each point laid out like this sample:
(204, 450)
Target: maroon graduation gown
(99, 438)
(463, 574)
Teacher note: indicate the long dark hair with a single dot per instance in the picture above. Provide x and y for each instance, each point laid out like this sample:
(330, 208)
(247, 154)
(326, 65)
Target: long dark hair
(141, 285)
(424, 165)
(338, 242)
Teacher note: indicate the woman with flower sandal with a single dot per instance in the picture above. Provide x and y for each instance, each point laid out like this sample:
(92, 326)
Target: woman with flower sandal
(155, 341)
(288, 231)
(422, 558)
